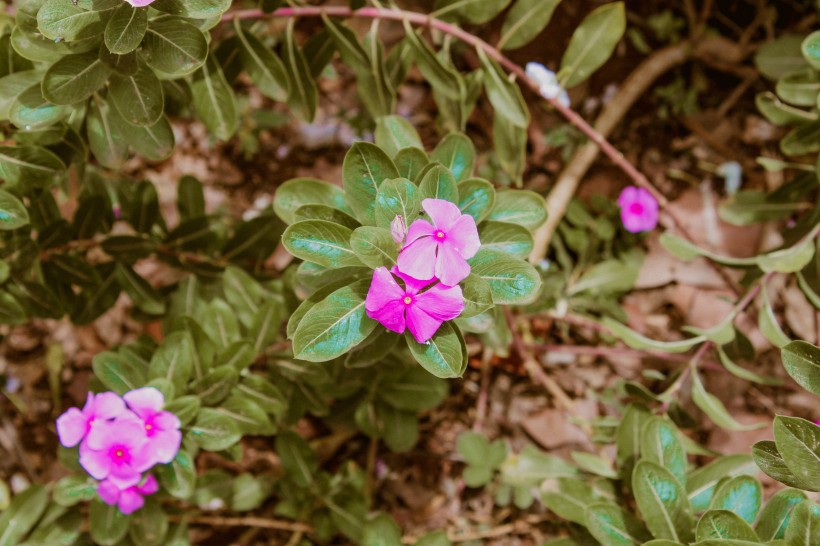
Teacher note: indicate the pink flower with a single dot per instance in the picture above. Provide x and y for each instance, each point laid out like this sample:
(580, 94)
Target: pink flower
(74, 425)
(140, 3)
(422, 313)
(117, 450)
(129, 499)
(161, 427)
(397, 229)
(440, 249)
(639, 209)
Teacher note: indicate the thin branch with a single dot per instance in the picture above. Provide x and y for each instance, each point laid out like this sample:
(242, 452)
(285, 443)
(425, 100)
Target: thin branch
(249, 521)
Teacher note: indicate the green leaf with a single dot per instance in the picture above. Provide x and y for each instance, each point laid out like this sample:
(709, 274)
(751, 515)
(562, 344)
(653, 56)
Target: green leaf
(811, 49)
(414, 390)
(444, 355)
(770, 461)
(781, 56)
(612, 526)
(780, 113)
(522, 207)
(334, 326)
(194, 9)
(117, 373)
(178, 477)
(770, 328)
(742, 495)
(174, 47)
(594, 464)
(525, 21)
(438, 183)
(504, 95)
(804, 525)
(442, 78)
(802, 361)
(639, 341)
(381, 530)
(214, 431)
(149, 525)
(364, 169)
(394, 133)
(776, 515)
(607, 276)
(410, 162)
(298, 192)
(19, 518)
(249, 492)
(13, 85)
(789, 260)
(701, 483)
(321, 242)
(305, 93)
(509, 238)
(723, 524)
(628, 438)
(714, 408)
(592, 43)
(397, 197)
(143, 295)
(138, 97)
(214, 100)
(265, 69)
(476, 12)
(510, 147)
(569, 499)
(662, 502)
(800, 87)
(74, 78)
(31, 111)
(184, 407)
(476, 198)
(374, 246)
(457, 153)
(13, 213)
(105, 137)
(477, 295)
(798, 440)
(298, 459)
(686, 251)
(70, 22)
(32, 164)
(660, 444)
(743, 373)
(512, 281)
(751, 207)
(216, 385)
(126, 29)
(106, 523)
(70, 490)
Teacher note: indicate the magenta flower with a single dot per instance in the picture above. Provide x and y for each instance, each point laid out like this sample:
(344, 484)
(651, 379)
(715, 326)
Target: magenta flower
(161, 427)
(639, 209)
(74, 425)
(422, 313)
(117, 450)
(129, 499)
(440, 249)
(140, 3)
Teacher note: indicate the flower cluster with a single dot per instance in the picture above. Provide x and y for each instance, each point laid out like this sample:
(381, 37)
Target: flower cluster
(431, 263)
(120, 439)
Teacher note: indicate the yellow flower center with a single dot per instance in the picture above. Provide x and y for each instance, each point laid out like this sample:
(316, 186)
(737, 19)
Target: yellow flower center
(408, 300)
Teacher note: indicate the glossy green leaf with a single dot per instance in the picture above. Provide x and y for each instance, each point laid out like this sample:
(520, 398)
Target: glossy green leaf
(512, 281)
(476, 12)
(477, 295)
(214, 431)
(789, 260)
(775, 517)
(364, 169)
(744, 373)
(70, 22)
(117, 373)
(723, 524)
(395, 133)
(106, 523)
(143, 295)
(74, 78)
(780, 113)
(194, 9)
(374, 246)
(174, 47)
(476, 198)
(509, 238)
(105, 136)
(298, 460)
(397, 197)
(714, 408)
(214, 100)
(799, 88)
(802, 361)
(21, 516)
(742, 495)
(138, 97)
(444, 355)
(701, 483)
(71, 490)
(184, 407)
(525, 21)
(660, 444)
(442, 78)
(510, 144)
(639, 341)
(520, 207)
(31, 111)
(410, 163)
(504, 95)
(125, 29)
(685, 250)
(770, 460)
(178, 477)
(811, 49)
(798, 441)
(321, 242)
(457, 153)
(662, 502)
(13, 213)
(438, 183)
(304, 95)
(592, 43)
(306, 191)
(804, 525)
(613, 526)
(770, 328)
(780, 56)
(265, 69)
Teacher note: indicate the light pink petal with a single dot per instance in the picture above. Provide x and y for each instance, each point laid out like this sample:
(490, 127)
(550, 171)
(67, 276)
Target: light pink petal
(145, 401)
(108, 492)
(165, 420)
(443, 213)
(140, 3)
(412, 284)
(124, 476)
(418, 259)
(420, 324)
(164, 446)
(88, 408)
(441, 302)
(419, 228)
(391, 316)
(628, 196)
(383, 290)
(108, 405)
(451, 268)
(130, 501)
(128, 431)
(463, 235)
(71, 427)
(631, 222)
(149, 486)
(96, 463)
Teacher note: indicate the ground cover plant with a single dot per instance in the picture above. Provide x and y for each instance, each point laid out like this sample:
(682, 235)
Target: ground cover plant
(354, 273)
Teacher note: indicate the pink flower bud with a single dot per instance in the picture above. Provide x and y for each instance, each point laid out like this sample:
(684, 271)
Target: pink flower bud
(397, 229)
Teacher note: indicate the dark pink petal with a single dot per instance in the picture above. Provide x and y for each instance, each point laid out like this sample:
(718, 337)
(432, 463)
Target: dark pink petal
(451, 268)
(145, 401)
(628, 196)
(108, 492)
(420, 324)
(88, 408)
(463, 235)
(71, 427)
(391, 316)
(383, 290)
(130, 501)
(419, 228)
(149, 486)
(418, 259)
(166, 420)
(164, 445)
(108, 405)
(443, 213)
(412, 284)
(96, 463)
(441, 302)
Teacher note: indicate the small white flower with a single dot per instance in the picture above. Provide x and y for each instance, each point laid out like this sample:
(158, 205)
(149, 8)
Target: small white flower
(732, 173)
(547, 83)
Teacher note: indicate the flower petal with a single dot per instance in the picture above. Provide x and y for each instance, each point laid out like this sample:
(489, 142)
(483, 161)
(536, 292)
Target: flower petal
(419, 228)
(463, 235)
(420, 324)
(108, 405)
(451, 268)
(96, 463)
(441, 302)
(108, 492)
(165, 420)
(443, 213)
(383, 290)
(412, 284)
(124, 476)
(149, 486)
(628, 196)
(130, 501)
(71, 427)
(145, 401)
(391, 316)
(418, 259)
(164, 446)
